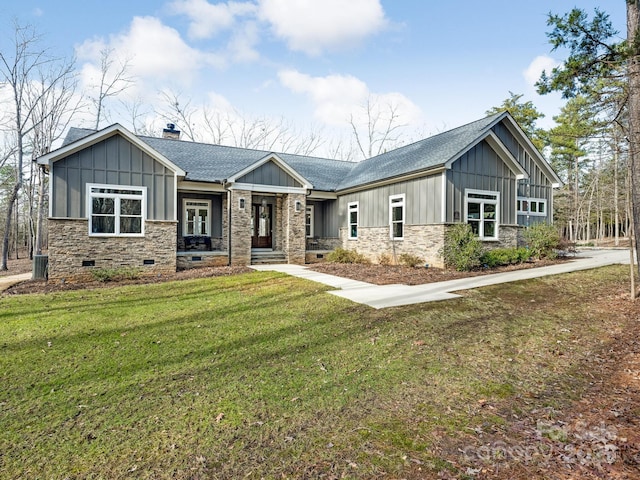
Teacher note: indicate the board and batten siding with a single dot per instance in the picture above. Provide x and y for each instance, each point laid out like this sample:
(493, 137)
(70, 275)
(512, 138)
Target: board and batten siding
(538, 185)
(325, 220)
(269, 174)
(423, 202)
(113, 161)
(481, 169)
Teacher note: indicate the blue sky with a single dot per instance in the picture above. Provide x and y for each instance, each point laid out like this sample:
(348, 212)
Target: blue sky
(315, 62)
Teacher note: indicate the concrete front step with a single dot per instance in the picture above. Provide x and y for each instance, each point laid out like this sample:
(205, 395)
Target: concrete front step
(267, 258)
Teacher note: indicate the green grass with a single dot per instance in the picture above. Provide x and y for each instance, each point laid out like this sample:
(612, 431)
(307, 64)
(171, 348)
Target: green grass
(264, 376)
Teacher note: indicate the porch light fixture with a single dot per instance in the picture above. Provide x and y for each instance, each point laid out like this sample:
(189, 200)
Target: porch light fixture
(264, 203)
(241, 204)
(298, 206)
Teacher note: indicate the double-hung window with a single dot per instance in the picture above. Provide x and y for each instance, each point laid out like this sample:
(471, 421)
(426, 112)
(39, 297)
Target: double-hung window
(308, 222)
(482, 209)
(115, 210)
(197, 215)
(353, 214)
(396, 216)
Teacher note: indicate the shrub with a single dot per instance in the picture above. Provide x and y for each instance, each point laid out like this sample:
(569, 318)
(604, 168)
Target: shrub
(385, 259)
(504, 256)
(341, 255)
(115, 274)
(410, 260)
(462, 249)
(543, 240)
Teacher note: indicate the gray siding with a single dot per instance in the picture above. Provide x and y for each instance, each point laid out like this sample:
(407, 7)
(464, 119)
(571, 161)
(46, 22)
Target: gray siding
(269, 174)
(537, 185)
(481, 169)
(113, 161)
(423, 200)
(216, 211)
(325, 222)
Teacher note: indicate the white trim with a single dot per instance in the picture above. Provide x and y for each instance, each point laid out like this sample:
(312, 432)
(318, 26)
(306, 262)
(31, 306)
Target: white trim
(103, 134)
(357, 210)
(312, 217)
(189, 186)
(185, 221)
(401, 203)
(117, 197)
(320, 195)
(252, 187)
(443, 199)
(535, 154)
(306, 184)
(529, 211)
(428, 172)
(495, 202)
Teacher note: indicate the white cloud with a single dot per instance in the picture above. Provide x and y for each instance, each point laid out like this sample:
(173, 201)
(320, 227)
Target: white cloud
(537, 66)
(153, 50)
(241, 47)
(338, 98)
(209, 19)
(312, 26)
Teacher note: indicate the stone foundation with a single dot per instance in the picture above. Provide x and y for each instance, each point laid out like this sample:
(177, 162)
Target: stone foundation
(294, 228)
(70, 246)
(189, 260)
(423, 241)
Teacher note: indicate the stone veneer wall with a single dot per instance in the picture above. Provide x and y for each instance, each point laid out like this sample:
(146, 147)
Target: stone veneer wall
(186, 261)
(70, 245)
(240, 228)
(425, 241)
(294, 228)
(421, 240)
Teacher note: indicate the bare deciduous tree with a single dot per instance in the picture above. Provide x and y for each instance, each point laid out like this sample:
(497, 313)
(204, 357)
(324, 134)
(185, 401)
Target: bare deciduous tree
(28, 62)
(114, 79)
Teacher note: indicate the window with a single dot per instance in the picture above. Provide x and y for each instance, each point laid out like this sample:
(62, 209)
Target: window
(353, 213)
(308, 221)
(482, 213)
(197, 215)
(532, 206)
(396, 216)
(116, 210)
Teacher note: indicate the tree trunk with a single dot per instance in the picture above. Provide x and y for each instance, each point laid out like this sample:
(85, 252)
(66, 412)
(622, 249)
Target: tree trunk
(40, 213)
(633, 38)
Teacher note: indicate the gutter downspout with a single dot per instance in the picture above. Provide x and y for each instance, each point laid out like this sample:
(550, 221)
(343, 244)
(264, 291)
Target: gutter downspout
(225, 185)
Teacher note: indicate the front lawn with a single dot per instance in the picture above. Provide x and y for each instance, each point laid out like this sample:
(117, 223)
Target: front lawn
(265, 375)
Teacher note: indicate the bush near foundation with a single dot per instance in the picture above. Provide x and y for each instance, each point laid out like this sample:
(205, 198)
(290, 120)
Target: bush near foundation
(462, 250)
(498, 257)
(342, 255)
(543, 240)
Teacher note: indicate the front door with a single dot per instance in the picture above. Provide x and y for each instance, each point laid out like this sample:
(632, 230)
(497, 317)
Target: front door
(261, 226)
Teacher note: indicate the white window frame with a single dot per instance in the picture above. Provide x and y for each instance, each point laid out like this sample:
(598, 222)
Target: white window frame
(468, 196)
(185, 223)
(397, 201)
(351, 208)
(92, 191)
(309, 215)
(529, 210)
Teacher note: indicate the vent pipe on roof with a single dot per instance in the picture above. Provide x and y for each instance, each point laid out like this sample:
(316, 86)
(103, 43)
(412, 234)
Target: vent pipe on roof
(170, 132)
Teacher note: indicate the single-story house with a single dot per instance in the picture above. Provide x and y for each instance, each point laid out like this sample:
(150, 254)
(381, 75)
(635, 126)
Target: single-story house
(159, 204)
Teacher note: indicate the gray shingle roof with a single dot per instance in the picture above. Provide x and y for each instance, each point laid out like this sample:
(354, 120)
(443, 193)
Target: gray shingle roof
(432, 152)
(214, 163)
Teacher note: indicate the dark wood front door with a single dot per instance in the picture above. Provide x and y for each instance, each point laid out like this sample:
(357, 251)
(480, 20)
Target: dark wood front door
(262, 220)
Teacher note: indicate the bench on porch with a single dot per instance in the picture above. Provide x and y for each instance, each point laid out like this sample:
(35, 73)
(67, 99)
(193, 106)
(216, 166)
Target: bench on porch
(197, 242)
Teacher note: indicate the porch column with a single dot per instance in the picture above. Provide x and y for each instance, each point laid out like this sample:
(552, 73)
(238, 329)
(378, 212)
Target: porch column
(240, 227)
(293, 226)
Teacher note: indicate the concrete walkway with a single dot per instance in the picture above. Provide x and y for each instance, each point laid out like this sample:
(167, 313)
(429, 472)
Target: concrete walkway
(6, 282)
(383, 296)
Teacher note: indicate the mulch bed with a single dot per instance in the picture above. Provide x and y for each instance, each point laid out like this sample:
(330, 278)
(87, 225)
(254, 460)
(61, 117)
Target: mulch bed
(397, 274)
